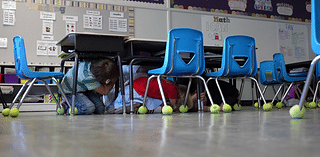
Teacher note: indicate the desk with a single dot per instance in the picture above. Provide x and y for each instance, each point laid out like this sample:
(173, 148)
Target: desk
(92, 45)
(156, 49)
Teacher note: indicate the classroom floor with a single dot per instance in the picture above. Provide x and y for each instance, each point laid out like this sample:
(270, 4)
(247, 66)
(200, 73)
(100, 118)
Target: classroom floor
(248, 133)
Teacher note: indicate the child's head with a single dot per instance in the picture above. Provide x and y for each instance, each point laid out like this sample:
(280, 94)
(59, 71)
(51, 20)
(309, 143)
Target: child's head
(105, 71)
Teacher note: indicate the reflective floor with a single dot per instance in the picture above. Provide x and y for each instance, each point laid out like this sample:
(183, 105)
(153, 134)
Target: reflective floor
(249, 132)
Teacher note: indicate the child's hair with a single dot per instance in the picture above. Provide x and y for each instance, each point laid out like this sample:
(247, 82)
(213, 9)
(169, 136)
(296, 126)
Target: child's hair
(105, 70)
(182, 90)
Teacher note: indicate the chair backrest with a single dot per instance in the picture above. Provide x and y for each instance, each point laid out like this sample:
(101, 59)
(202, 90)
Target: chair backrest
(239, 56)
(184, 41)
(267, 73)
(280, 66)
(21, 65)
(315, 26)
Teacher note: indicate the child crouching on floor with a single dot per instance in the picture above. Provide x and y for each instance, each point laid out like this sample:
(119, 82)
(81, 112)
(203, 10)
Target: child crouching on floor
(95, 79)
(153, 102)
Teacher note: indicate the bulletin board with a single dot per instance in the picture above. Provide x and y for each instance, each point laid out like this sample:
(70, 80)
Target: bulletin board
(42, 25)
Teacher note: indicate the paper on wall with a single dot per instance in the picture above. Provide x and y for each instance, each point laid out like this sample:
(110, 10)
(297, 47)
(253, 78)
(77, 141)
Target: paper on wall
(8, 17)
(118, 25)
(47, 27)
(3, 42)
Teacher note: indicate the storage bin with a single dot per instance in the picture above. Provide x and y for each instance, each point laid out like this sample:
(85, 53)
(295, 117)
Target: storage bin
(11, 78)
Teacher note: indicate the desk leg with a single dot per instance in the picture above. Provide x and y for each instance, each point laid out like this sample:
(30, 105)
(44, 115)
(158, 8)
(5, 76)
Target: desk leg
(122, 85)
(75, 79)
(131, 86)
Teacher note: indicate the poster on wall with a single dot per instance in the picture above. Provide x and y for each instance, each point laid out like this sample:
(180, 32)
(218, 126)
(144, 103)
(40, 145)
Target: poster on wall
(292, 40)
(214, 29)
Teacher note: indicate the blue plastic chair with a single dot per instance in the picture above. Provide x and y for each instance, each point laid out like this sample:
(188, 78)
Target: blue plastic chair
(283, 76)
(267, 68)
(238, 61)
(315, 45)
(181, 41)
(23, 72)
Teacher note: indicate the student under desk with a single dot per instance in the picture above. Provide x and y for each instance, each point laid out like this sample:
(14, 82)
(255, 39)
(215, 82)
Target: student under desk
(92, 45)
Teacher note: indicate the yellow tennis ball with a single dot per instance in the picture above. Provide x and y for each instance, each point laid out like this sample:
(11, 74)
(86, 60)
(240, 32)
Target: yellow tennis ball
(167, 110)
(306, 105)
(256, 105)
(226, 108)
(237, 107)
(14, 112)
(279, 105)
(6, 112)
(267, 107)
(142, 110)
(75, 111)
(215, 108)
(60, 111)
(183, 109)
(296, 113)
(312, 105)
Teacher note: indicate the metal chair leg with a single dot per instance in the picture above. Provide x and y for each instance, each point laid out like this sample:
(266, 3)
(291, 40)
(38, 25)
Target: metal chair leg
(308, 81)
(26, 92)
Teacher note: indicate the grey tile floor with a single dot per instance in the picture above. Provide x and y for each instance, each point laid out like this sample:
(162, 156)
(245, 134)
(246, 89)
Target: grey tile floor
(248, 133)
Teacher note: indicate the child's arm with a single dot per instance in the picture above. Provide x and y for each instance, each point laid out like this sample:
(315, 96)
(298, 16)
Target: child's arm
(104, 89)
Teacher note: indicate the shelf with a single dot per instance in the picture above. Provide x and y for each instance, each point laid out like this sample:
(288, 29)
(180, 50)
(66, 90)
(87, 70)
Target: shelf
(34, 107)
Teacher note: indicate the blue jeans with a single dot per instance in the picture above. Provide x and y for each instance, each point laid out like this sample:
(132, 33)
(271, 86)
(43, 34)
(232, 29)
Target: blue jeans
(88, 102)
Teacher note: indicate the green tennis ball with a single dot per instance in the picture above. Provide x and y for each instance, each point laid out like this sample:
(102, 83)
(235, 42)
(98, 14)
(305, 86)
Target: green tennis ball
(237, 107)
(75, 111)
(267, 107)
(256, 105)
(183, 109)
(142, 110)
(279, 105)
(167, 110)
(312, 105)
(14, 112)
(215, 108)
(226, 108)
(296, 113)
(6, 112)
(60, 111)
(306, 105)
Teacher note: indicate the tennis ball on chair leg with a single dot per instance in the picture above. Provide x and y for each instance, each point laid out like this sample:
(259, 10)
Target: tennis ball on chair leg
(167, 110)
(237, 107)
(296, 113)
(312, 105)
(183, 109)
(142, 110)
(60, 111)
(279, 105)
(6, 112)
(226, 108)
(267, 107)
(256, 105)
(14, 112)
(75, 111)
(215, 108)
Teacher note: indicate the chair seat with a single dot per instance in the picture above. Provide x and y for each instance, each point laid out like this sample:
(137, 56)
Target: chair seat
(298, 74)
(43, 75)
